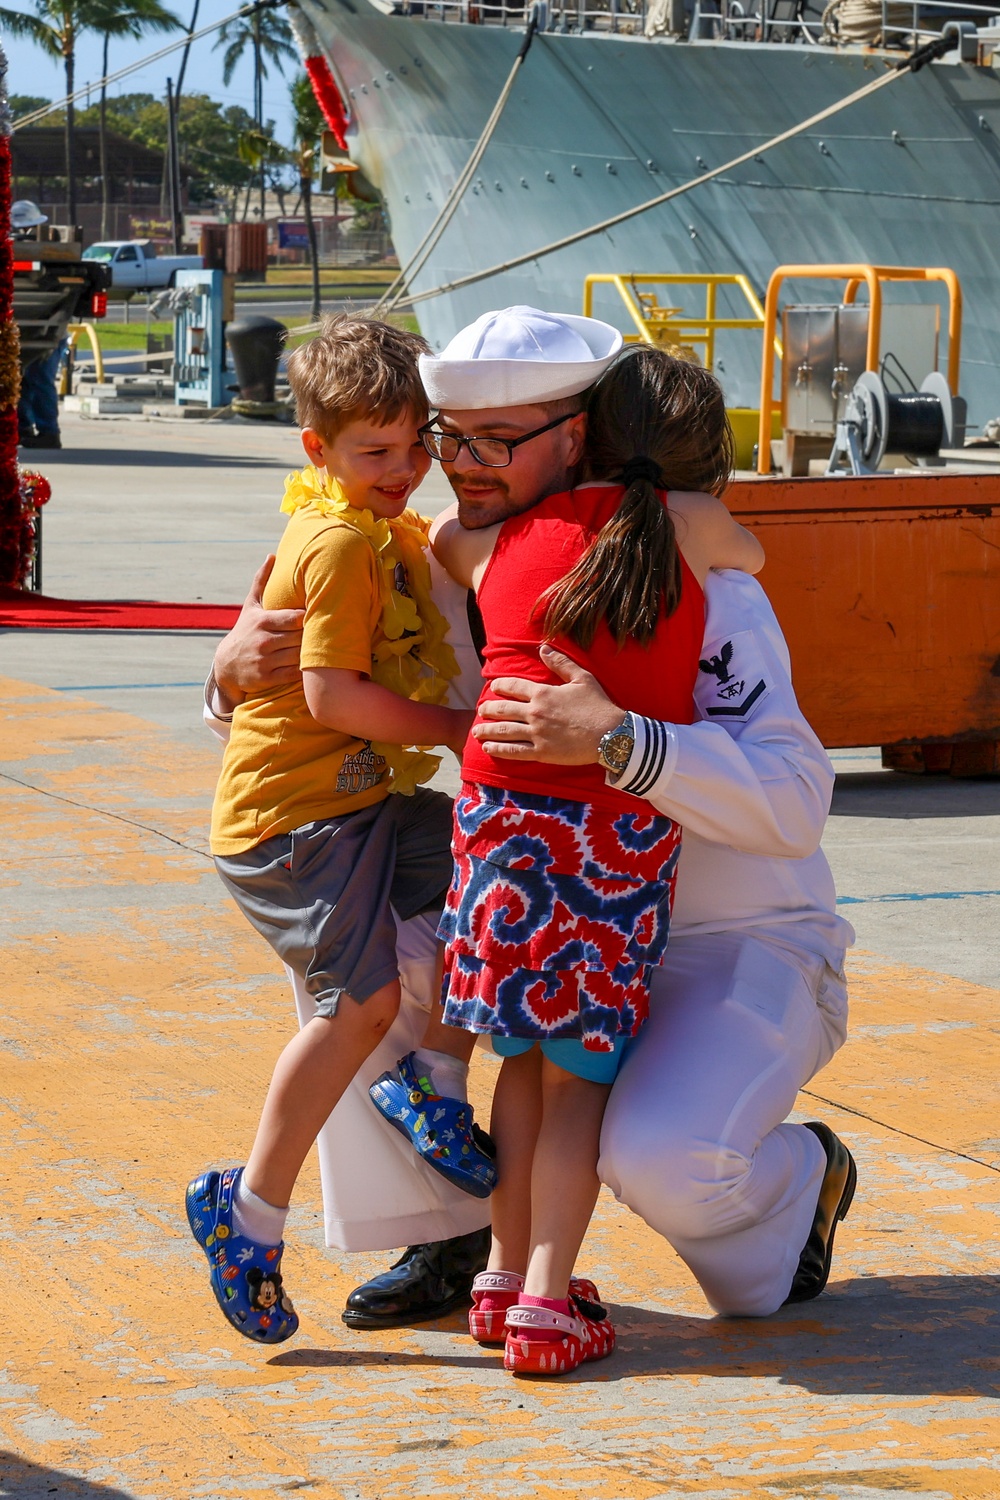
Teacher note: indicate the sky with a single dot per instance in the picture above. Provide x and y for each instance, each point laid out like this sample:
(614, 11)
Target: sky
(31, 71)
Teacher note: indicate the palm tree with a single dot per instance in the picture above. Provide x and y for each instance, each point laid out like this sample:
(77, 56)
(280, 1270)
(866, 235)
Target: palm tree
(269, 36)
(308, 124)
(125, 18)
(56, 27)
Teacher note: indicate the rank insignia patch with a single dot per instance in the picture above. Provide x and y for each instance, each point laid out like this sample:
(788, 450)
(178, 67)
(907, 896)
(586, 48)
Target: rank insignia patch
(731, 684)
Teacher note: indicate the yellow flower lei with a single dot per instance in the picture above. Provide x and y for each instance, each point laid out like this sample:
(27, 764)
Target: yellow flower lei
(415, 659)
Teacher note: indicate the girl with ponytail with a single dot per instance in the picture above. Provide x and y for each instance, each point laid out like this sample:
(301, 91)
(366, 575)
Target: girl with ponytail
(560, 904)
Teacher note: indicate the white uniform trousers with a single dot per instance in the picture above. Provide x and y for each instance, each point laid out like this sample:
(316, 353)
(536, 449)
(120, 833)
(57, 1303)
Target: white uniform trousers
(693, 1139)
(377, 1193)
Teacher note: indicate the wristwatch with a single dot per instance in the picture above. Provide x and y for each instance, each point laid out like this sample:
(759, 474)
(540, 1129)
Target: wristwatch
(615, 750)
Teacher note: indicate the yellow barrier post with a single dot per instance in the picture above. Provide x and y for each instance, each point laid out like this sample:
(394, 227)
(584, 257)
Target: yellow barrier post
(73, 333)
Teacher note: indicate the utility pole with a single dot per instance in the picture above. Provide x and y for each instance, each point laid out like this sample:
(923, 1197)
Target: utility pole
(258, 104)
(173, 169)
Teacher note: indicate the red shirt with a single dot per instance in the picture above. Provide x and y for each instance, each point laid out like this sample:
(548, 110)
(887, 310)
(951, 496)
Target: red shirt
(533, 551)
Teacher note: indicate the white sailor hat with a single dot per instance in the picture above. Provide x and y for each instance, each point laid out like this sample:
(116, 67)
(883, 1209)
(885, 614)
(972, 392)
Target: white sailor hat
(517, 357)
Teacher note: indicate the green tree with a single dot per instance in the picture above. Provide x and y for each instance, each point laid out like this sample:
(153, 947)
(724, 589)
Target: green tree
(56, 27)
(209, 143)
(209, 136)
(25, 104)
(269, 38)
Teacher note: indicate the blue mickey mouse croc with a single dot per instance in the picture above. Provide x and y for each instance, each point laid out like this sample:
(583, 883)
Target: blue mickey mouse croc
(246, 1278)
(441, 1130)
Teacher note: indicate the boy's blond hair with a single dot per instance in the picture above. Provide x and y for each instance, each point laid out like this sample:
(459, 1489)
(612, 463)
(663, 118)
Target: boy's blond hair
(356, 367)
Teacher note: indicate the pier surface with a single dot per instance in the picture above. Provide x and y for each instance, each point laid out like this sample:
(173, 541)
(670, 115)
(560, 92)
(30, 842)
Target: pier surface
(141, 1020)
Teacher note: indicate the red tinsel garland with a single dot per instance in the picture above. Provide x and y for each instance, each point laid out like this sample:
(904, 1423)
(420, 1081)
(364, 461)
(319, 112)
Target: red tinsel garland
(11, 512)
(328, 97)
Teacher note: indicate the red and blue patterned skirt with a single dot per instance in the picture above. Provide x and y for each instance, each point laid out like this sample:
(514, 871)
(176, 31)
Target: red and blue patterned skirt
(555, 916)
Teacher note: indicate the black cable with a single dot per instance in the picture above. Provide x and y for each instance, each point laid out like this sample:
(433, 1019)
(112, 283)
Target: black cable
(928, 52)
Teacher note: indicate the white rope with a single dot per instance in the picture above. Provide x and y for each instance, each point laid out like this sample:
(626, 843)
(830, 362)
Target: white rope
(641, 208)
(390, 298)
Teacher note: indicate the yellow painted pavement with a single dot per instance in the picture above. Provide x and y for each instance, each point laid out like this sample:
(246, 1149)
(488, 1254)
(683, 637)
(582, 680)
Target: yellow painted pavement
(140, 1021)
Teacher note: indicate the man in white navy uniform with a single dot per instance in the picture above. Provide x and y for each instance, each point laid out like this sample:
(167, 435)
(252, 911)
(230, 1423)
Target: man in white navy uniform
(749, 1005)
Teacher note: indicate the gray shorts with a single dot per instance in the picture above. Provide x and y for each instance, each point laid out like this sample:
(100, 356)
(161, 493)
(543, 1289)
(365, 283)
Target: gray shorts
(322, 894)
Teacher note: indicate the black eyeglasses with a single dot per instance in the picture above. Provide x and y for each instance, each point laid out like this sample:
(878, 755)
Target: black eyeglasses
(491, 452)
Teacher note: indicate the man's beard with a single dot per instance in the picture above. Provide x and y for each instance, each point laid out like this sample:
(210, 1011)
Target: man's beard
(474, 516)
(499, 506)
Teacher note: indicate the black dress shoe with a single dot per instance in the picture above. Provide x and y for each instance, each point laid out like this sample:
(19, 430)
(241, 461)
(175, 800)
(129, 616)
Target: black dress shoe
(425, 1283)
(835, 1197)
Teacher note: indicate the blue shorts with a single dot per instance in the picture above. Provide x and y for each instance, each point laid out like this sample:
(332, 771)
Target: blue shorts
(569, 1054)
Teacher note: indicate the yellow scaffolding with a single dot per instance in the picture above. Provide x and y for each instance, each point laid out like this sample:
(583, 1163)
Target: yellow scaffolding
(671, 328)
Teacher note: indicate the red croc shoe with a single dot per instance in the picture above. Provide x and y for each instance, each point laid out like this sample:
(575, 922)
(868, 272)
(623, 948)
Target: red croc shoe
(488, 1325)
(585, 1336)
(501, 1289)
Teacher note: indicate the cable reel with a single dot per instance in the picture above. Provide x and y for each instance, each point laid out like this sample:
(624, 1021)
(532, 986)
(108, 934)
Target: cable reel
(915, 423)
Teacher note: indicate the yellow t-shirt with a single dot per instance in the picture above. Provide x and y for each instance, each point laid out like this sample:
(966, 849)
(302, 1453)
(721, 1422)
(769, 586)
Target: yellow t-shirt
(281, 768)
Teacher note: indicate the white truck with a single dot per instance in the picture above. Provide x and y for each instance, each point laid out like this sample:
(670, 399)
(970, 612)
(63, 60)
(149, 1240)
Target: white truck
(135, 265)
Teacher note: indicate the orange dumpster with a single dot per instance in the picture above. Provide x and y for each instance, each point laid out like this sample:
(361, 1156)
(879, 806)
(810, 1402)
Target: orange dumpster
(888, 592)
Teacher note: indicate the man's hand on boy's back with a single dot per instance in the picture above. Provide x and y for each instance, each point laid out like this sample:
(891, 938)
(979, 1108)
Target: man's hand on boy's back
(262, 649)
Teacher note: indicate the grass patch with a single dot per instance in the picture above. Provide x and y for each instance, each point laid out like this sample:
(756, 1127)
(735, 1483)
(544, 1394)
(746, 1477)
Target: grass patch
(115, 336)
(119, 338)
(331, 275)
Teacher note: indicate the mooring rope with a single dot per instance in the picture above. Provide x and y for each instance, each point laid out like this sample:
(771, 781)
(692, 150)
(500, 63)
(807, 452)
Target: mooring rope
(390, 298)
(911, 64)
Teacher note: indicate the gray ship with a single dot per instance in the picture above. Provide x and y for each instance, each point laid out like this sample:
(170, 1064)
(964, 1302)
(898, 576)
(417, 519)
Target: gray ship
(612, 107)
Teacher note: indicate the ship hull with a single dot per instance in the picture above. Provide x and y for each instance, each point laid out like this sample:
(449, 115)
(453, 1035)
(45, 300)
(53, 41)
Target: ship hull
(597, 124)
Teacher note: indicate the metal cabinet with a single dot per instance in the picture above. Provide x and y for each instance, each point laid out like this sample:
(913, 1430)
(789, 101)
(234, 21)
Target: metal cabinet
(824, 353)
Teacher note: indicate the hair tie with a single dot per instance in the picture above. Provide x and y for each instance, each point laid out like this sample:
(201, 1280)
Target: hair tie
(641, 467)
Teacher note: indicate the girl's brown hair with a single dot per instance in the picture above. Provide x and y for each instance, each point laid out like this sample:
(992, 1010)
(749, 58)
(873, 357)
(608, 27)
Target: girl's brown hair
(655, 423)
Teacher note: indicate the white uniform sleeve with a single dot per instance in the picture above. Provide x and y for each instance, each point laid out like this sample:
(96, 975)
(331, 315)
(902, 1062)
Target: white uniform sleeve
(751, 773)
(216, 715)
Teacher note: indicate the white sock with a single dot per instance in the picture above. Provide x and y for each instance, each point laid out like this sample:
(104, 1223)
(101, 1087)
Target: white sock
(256, 1220)
(447, 1075)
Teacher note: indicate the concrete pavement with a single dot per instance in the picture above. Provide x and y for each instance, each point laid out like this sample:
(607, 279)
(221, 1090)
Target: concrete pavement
(141, 1020)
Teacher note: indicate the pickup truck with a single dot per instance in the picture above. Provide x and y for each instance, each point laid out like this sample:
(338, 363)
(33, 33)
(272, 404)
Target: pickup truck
(135, 265)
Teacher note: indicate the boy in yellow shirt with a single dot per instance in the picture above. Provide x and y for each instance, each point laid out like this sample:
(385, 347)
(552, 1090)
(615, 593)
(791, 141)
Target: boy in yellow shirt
(305, 835)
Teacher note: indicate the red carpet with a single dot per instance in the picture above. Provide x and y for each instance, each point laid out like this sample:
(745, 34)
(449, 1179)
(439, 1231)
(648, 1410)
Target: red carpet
(22, 609)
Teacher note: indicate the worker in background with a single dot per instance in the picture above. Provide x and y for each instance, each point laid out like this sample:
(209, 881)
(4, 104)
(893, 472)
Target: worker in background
(38, 408)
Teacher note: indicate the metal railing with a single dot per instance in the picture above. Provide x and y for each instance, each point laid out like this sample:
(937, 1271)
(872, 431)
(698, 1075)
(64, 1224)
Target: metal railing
(731, 21)
(671, 327)
(913, 33)
(714, 20)
(621, 17)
